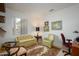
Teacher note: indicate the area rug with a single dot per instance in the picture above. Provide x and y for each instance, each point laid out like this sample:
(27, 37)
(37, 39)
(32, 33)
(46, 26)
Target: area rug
(39, 50)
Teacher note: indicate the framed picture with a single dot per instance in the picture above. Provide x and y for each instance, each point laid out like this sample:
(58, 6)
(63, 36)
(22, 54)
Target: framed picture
(2, 19)
(57, 25)
(46, 26)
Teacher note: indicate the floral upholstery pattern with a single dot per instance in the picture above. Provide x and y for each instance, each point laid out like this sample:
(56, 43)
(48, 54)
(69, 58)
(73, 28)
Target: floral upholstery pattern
(25, 40)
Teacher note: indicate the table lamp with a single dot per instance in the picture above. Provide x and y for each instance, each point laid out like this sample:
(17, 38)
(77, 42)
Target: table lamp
(37, 29)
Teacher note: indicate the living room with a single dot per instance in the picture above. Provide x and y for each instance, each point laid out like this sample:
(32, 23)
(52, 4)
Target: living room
(40, 22)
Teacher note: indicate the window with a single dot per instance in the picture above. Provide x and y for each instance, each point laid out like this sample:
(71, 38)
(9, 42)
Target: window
(18, 26)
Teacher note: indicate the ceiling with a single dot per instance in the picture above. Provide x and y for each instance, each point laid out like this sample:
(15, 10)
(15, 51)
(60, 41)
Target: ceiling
(38, 8)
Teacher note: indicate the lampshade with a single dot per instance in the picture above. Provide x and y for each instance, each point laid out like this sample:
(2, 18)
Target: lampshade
(37, 29)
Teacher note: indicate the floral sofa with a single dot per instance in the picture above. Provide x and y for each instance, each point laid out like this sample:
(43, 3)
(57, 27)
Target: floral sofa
(25, 40)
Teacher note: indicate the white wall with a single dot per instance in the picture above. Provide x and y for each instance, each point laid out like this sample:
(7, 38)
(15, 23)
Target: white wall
(9, 24)
(70, 19)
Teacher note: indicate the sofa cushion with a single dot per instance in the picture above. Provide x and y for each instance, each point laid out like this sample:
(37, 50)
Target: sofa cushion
(29, 36)
(24, 37)
(25, 40)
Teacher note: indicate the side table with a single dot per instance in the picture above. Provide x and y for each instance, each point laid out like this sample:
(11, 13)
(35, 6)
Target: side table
(39, 38)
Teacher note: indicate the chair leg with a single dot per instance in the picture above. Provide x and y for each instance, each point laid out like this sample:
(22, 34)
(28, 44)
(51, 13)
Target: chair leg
(68, 53)
(64, 51)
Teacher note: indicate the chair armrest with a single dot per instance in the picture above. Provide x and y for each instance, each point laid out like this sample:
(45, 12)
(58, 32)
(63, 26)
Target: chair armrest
(45, 38)
(69, 40)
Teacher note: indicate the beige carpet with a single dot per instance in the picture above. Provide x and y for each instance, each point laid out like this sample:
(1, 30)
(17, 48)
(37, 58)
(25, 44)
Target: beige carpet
(39, 50)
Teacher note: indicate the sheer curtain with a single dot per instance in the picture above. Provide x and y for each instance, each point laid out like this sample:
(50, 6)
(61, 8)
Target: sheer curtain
(21, 26)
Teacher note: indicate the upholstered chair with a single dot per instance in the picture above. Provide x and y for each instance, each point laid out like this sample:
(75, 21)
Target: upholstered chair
(67, 44)
(48, 41)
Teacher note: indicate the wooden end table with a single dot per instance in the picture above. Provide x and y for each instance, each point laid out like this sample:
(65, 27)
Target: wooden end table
(39, 38)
